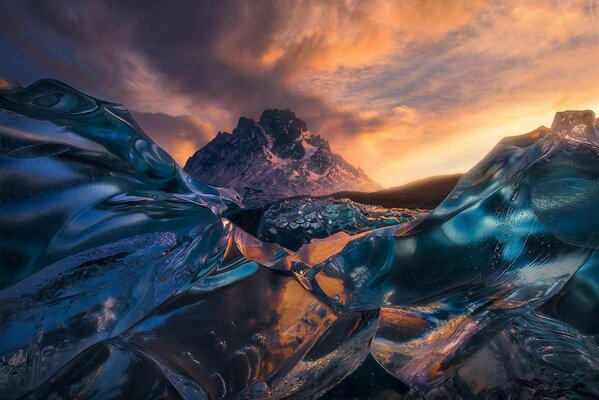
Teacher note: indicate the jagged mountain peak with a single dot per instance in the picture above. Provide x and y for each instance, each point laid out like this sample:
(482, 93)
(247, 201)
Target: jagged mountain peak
(273, 158)
(282, 124)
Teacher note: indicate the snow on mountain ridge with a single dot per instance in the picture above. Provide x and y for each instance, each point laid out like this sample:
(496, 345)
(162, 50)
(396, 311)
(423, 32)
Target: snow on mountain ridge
(274, 158)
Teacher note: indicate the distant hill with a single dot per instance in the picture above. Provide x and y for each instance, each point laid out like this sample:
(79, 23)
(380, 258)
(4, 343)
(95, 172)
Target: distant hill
(425, 193)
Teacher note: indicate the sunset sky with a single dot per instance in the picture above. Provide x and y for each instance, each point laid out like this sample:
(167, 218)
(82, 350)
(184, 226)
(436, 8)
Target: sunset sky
(403, 89)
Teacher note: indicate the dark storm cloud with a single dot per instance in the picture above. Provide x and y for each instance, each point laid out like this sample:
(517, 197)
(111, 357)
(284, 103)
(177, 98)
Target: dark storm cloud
(209, 52)
(193, 44)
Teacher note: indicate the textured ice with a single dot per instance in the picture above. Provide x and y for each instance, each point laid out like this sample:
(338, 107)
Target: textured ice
(295, 222)
(122, 277)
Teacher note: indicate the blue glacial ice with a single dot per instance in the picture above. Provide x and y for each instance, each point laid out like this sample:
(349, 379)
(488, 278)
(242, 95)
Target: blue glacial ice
(123, 277)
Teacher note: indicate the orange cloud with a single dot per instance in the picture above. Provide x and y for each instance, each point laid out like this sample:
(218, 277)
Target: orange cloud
(492, 70)
(326, 36)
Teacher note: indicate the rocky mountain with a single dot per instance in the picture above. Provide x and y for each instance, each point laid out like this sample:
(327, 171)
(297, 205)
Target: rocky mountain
(275, 158)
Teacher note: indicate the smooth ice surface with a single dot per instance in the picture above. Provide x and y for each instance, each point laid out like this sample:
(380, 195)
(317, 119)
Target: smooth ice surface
(122, 277)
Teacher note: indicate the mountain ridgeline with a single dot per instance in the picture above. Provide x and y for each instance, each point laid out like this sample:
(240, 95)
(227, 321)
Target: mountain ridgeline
(275, 158)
